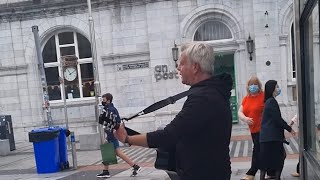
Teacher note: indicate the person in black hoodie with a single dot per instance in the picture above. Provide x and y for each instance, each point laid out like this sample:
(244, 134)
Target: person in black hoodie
(272, 153)
(201, 131)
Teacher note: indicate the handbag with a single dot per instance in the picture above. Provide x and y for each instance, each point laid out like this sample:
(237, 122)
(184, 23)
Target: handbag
(108, 154)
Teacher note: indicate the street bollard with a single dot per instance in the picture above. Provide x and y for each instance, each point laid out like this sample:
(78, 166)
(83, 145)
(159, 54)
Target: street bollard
(73, 148)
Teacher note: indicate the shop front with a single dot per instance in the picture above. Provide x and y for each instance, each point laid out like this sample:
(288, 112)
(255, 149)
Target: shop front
(308, 64)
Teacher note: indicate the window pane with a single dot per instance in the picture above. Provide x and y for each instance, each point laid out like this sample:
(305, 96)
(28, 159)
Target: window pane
(66, 38)
(52, 76)
(72, 91)
(212, 30)
(49, 53)
(312, 75)
(67, 51)
(84, 47)
(87, 79)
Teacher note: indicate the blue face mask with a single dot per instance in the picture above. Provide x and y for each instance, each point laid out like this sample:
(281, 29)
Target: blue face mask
(253, 88)
(278, 91)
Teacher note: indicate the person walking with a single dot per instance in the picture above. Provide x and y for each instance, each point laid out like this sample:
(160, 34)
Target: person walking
(250, 112)
(113, 114)
(201, 131)
(272, 152)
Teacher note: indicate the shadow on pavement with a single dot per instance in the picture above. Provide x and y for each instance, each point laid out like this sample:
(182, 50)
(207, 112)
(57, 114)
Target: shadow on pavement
(89, 175)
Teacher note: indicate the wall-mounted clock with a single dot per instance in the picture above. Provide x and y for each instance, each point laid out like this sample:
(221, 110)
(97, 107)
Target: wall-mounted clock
(70, 73)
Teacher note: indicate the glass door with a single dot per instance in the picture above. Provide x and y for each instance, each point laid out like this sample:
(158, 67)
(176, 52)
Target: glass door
(309, 87)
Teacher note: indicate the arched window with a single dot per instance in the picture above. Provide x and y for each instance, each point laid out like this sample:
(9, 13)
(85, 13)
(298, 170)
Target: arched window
(212, 30)
(292, 64)
(68, 43)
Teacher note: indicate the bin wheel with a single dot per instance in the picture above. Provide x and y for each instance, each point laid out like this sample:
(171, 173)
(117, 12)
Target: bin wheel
(61, 166)
(66, 166)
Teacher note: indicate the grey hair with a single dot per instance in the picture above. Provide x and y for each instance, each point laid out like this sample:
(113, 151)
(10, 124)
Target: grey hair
(200, 53)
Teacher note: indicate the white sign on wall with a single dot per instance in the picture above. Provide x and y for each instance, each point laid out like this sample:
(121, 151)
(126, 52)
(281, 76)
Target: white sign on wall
(129, 66)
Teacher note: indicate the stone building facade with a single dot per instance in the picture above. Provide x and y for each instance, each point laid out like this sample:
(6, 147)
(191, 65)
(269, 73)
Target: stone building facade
(134, 53)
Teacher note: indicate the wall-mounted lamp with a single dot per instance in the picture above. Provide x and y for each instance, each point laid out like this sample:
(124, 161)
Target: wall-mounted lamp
(250, 46)
(175, 54)
(266, 15)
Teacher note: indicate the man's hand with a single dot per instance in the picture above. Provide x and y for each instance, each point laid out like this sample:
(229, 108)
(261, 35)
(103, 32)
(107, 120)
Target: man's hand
(249, 121)
(293, 132)
(120, 133)
(291, 123)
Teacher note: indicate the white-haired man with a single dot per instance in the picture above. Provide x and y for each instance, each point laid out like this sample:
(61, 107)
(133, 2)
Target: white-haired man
(201, 131)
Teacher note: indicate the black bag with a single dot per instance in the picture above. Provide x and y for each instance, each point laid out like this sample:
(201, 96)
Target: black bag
(101, 119)
(166, 159)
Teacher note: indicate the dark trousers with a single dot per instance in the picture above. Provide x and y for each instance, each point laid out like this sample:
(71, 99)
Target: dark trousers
(298, 168)
(255, 154)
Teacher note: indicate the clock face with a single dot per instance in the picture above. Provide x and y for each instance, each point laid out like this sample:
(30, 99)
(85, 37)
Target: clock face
(70, 73)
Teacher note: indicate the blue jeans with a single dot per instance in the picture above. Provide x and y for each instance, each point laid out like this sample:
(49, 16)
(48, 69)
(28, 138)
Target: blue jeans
(111, 139)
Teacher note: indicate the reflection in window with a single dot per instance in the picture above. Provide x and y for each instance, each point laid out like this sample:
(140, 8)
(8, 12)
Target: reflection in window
(49, 52)
(84, 47)
(68, 43)
(87, 79)
(312, 75)
(212, 30)
(52, 77)
(72, 91)
(67, 51)
(66, 38)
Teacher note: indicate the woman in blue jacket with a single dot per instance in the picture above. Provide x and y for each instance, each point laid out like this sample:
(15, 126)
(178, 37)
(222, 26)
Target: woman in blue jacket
(272, 152)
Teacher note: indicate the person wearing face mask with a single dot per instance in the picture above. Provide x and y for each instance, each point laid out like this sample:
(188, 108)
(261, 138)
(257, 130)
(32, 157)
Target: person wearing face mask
(272, 152)
(250, 112)
(114, 114)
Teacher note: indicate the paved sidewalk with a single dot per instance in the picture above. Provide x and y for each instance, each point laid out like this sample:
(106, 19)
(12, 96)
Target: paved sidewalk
(20, 164)
(147, 173)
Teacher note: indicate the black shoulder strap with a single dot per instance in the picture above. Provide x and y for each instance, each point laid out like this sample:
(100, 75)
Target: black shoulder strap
(164, 103)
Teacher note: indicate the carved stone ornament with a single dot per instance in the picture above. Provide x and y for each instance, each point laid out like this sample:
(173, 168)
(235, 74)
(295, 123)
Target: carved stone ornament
(27, 10)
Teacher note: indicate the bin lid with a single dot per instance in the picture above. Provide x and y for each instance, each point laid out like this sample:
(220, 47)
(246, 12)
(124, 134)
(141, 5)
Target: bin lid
(43, 134)
(62, 129)
(58, 128)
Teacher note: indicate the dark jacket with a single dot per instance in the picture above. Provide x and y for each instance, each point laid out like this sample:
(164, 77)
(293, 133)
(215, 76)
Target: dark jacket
(201, 132)
(272, 125)
(112, 113)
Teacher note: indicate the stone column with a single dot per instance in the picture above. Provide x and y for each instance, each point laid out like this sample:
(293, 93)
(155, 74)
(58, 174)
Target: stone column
(240, 61)
(283, 67)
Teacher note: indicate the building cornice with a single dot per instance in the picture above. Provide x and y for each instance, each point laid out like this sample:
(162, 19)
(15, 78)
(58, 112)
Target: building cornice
(13, 70)
(27, 10)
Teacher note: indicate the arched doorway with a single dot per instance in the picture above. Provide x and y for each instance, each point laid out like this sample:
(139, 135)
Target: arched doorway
(216, 32)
